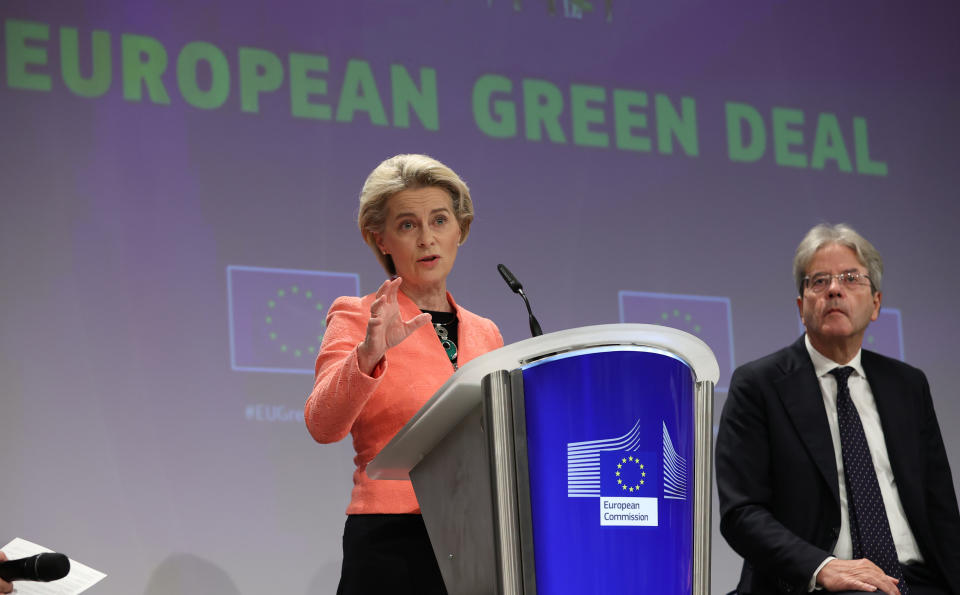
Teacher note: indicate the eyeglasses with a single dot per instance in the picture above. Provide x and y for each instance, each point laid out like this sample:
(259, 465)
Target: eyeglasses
(821, 281)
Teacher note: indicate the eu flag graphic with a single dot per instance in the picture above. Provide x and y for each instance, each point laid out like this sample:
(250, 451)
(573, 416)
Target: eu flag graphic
(278, 316)
(885, 334)
(629, 474)
(705, 317)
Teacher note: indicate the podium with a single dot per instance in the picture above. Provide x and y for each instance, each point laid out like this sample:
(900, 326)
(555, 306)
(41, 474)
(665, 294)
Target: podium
(576, 462)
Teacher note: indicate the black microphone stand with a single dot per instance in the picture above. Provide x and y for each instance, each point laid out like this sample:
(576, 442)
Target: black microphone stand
(514, 285)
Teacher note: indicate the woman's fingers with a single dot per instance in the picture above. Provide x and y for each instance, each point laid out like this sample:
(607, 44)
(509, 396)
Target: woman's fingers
(386, 296)
(417, 321)
(386, 327)
(383, 287)
(394, 289)
(377, 307)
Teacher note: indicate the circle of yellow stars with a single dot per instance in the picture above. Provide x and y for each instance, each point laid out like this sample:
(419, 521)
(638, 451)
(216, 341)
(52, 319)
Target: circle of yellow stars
(292, 291)
(687, 319)
(628, 461)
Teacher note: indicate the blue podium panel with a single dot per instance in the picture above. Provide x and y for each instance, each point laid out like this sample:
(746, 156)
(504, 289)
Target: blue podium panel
(610, 441)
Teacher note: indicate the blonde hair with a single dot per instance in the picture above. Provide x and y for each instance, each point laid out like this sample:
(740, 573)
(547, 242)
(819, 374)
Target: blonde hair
(403, 172)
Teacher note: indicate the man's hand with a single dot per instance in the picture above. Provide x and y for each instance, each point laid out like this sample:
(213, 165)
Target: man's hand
(856, 575)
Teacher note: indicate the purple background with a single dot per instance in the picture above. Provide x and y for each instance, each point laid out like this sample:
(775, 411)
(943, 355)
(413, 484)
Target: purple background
(886, 334)
(130, 442)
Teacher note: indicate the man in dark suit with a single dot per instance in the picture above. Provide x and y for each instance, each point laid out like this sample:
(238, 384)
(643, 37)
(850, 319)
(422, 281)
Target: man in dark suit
(831, 468)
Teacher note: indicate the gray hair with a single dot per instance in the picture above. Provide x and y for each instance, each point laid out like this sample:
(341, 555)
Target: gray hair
(825, 234)
(403, 172)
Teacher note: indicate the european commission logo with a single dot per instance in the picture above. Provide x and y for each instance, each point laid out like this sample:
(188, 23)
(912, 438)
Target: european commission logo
(278, 316)
(627, 481)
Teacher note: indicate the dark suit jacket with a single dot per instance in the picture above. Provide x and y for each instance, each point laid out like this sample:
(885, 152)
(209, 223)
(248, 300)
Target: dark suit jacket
(777, 476)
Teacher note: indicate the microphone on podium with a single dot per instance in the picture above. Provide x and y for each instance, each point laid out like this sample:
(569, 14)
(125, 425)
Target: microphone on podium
(518, 289)
(42, 567)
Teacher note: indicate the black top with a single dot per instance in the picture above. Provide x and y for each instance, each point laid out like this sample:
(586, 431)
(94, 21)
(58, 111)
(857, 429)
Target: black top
(448, 321)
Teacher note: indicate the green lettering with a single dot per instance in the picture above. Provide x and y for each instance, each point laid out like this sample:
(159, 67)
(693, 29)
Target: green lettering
(20, 55)
(406, 95)
(102, 67)
(582, 115)
(504, 125)
(626, 120)
(737, 115)
(862, 150)
(828, 144)
(542, 104)
(784, 137)
(190, 56)
(359, 93)
(144, 62)
(670, 124)
(260, 72)
(302, 86)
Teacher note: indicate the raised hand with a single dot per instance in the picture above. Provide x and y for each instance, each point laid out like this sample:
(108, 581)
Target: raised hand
(856, 575)
(386, 328)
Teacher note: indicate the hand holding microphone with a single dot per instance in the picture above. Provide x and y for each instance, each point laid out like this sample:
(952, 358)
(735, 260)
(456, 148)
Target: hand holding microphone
(41, 567)
(5, 587)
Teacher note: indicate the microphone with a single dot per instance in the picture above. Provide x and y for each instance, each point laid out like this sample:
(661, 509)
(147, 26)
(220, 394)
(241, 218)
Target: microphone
(42, 567)
(518, 289)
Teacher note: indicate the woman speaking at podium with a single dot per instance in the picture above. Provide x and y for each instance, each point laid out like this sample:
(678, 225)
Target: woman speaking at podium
(385, 354)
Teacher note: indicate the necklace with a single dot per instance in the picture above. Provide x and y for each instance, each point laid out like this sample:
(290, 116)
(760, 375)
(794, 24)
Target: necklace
(449, 346)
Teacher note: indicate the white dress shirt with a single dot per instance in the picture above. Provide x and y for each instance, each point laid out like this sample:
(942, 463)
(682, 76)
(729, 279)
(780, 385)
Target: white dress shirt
(908, 552)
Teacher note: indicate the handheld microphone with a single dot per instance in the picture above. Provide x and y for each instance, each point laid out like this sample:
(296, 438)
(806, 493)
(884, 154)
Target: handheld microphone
(514, 285)
(42, 567)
